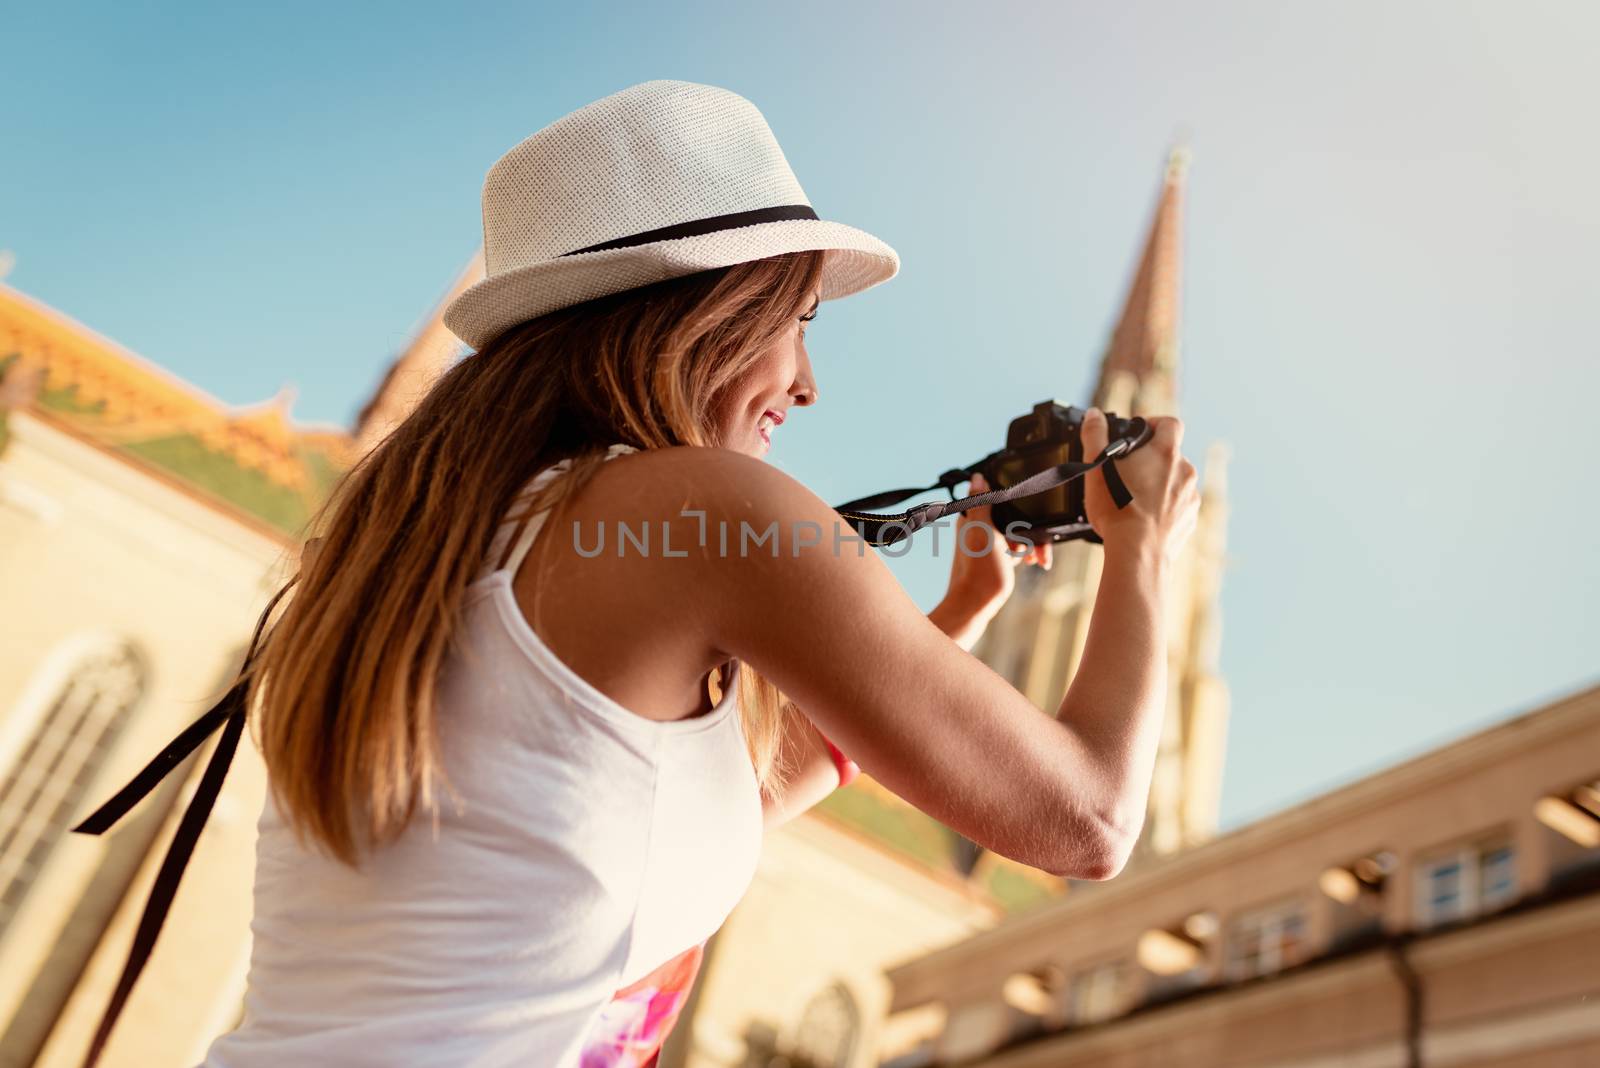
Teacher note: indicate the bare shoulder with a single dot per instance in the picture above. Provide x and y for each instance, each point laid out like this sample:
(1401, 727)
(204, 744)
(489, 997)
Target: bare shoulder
(715, 535)
(695, 530)
(701, 469)
(660, 484)
(636, 559)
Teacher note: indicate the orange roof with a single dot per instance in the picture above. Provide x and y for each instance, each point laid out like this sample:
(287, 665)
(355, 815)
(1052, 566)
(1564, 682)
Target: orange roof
(117, 398)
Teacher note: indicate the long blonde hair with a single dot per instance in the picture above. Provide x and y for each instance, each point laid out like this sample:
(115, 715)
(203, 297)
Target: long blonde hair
(342, 685)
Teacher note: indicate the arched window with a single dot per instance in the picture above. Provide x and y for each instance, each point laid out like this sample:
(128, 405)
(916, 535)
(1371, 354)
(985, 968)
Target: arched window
(64, 726)
(829, 1029)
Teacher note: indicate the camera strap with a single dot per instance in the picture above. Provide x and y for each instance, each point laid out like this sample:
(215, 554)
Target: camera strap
(887, 528)
(229, 714)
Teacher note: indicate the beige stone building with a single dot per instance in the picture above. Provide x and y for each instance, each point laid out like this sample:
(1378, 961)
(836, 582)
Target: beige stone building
(1443, 912)
(143, 525)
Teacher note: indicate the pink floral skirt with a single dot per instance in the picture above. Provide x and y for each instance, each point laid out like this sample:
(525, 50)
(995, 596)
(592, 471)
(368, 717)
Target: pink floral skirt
(637, 1020)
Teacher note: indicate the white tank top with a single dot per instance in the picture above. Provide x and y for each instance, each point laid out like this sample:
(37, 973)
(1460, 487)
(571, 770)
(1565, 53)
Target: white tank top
(591, 845)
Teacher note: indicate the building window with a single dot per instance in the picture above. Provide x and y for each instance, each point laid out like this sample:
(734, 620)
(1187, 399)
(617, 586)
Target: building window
(1443, 892)
(1102, 992)
(48, 775)
(829, 1029)
(1267, 940)
(1497, 876)
(1465, 881)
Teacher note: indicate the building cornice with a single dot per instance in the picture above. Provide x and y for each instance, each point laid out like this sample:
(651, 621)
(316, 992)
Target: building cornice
(1318, 982)
(920, 980)
(158, 474)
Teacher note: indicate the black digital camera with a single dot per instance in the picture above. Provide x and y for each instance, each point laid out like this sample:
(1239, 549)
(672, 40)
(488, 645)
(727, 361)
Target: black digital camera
(1035, 482)
(1049, 435)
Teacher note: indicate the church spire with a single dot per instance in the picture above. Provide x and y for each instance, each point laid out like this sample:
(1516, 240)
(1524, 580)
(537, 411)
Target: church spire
(1138, 375)
(1038, 638)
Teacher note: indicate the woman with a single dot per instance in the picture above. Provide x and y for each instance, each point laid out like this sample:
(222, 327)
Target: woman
(568, 644)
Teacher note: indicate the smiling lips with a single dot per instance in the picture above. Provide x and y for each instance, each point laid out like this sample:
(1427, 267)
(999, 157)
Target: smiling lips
(769, 421)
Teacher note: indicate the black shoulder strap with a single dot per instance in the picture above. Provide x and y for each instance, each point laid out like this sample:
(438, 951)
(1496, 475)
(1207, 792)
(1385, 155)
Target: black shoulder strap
(228, 713)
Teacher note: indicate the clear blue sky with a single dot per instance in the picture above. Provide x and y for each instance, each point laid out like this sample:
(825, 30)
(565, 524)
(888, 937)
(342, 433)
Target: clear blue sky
(1390, 309)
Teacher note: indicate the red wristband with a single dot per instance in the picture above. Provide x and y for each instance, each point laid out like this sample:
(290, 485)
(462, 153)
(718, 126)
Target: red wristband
(848, 769)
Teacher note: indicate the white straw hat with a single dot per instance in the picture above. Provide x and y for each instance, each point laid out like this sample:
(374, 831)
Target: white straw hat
(657, 181)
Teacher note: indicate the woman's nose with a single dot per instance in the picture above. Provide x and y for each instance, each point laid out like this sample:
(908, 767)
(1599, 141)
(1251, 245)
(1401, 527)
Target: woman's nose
(804, 389)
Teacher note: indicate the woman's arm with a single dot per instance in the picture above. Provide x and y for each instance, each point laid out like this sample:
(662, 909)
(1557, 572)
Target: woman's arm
(961, 616)
(827, 622)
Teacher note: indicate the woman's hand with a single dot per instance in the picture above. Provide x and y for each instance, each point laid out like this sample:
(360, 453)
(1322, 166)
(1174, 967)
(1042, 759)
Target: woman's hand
(983, 573)
(1166, 497)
